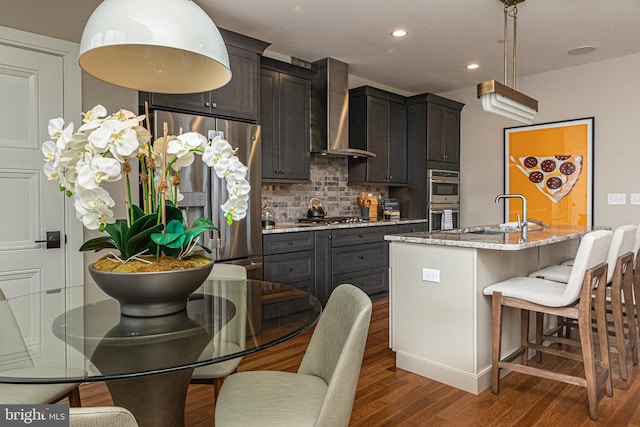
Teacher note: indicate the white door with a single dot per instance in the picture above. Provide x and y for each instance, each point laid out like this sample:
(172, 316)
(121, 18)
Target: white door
(31, 88)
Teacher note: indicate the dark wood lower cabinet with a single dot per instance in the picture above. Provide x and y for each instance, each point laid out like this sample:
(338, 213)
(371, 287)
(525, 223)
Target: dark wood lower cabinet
(319, 261)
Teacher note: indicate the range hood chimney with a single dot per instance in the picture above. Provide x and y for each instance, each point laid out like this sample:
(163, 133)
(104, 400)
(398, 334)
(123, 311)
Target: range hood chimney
(330, 110)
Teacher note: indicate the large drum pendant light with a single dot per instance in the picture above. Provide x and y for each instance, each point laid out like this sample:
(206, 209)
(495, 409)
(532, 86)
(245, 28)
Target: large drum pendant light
(164, 46)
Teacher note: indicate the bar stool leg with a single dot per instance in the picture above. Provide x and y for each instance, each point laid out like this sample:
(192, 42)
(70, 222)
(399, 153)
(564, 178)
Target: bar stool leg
(496, 338)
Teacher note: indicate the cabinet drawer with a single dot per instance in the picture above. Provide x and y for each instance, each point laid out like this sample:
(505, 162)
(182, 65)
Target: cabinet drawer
(287, 242)
(357, 236)
(287, 302)
(371, 281)
(289, 268)
(361, 257)
(413, 228)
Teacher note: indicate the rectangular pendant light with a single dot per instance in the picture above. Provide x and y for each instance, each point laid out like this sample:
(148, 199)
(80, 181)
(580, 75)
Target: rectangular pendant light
(501, 99)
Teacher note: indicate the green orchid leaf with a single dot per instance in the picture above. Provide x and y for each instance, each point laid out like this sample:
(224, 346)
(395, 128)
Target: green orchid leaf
(97, 244)
(140, 242)
(117, 231)
(206, 249)
(141, 224)
(169, 240)
(174, 226)
(137, 212)
(173, 213)
(202, 221)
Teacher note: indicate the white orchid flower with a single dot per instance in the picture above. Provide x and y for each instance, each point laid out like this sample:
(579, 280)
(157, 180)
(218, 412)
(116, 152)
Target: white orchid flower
(59, 133)
(116, 137)
(185, 143)
(51, 171)
(237, 207)
(183, 161)
(238, 188)
(96, 113)
(128, 118)
(97, 171)
(94, 219)
(95, 199)
(236, 170)
(51, 152)
(93, 118)
(219, 150)
(158, 148)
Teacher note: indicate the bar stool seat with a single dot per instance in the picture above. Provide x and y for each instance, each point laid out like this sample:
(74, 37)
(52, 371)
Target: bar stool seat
(573, 301)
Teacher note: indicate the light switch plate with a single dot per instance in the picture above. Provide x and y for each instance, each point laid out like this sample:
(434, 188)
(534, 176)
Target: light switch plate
(430, 275)
(616, 199)
(634, 198)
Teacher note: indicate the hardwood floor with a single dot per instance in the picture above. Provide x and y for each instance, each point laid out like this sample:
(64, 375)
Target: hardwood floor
(387, 396)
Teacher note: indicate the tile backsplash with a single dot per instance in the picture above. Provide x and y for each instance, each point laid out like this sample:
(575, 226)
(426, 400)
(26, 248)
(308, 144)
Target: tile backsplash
(328, 182)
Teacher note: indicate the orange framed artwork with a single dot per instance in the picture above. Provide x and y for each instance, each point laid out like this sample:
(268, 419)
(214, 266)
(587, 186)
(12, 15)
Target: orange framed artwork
(551, 164)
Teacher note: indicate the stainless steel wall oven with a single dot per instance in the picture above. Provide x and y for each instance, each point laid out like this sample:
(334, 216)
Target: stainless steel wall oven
(444, 199)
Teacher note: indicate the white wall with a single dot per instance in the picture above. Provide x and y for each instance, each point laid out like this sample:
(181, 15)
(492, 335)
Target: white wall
(608, 91)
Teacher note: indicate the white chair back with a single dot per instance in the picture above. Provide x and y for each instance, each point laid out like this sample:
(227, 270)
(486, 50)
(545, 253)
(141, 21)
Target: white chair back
(591, 252)
(622, 242)
(335, 352)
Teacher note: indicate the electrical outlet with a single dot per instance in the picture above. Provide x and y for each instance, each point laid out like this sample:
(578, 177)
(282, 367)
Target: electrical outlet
(430, 275)
(634, 198)
(616, 199)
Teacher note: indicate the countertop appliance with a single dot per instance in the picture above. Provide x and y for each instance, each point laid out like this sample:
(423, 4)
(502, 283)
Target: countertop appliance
(330, 220)
(241, 242)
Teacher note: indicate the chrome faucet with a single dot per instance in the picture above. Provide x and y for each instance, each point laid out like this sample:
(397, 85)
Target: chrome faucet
(522, 224)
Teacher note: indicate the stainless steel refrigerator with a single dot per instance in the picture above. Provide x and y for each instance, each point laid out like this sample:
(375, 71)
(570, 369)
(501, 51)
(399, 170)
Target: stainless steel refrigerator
(204, 193)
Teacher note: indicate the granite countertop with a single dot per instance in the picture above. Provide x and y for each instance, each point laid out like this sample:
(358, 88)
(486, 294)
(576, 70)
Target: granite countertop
(295, 227)
(492, 237)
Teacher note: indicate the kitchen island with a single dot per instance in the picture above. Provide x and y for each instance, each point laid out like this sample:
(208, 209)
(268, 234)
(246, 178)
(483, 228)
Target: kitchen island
(440, 322)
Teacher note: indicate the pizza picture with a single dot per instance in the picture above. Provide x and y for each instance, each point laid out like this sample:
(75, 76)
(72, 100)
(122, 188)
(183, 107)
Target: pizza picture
(554, 176)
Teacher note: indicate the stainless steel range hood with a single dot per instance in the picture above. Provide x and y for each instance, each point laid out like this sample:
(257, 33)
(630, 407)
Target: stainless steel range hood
(330, 110)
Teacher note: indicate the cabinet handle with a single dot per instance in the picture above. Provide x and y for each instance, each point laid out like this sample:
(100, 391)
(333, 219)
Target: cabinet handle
(361, 258)
(290, 269)
(214, 105)
(207, 104)
(290, 243)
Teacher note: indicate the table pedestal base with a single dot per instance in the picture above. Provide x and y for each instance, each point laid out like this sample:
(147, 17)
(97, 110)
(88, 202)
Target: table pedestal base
(155, 400)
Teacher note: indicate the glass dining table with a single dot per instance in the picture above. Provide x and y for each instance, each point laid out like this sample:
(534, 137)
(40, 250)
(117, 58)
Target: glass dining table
(147, 363)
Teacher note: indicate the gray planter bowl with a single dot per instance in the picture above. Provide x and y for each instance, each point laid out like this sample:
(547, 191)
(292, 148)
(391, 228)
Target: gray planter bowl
(151, 294)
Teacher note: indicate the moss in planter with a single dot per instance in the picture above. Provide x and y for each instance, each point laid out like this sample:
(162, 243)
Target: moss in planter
(108, 263)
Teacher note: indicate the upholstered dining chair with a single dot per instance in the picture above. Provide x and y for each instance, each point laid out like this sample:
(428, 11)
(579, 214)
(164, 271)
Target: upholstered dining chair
(572, 300)
(231, 337)
(14, 356)
(322, 392)
(101, 416)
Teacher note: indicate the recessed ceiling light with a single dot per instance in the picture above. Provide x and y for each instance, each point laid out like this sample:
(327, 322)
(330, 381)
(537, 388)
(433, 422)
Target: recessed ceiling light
(472, 66)
(582, 50)
(399, 33)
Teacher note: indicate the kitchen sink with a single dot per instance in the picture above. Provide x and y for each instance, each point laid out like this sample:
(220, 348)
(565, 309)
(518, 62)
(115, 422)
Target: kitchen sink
(495, 230)
(484, 230)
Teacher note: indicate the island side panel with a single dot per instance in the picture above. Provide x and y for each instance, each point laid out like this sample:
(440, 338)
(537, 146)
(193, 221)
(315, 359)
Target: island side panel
(433, 324)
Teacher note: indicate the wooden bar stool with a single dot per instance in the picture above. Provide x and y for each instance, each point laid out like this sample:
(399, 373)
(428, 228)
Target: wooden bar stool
(572, 301)
(619, 300)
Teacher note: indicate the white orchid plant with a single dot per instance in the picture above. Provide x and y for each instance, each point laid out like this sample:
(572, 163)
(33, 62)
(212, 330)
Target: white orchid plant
(103, 150)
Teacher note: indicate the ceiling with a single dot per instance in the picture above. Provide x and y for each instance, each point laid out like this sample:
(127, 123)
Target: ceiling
(444, 35)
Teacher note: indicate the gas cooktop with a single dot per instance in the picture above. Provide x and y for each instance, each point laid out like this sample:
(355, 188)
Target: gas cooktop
(331, 220)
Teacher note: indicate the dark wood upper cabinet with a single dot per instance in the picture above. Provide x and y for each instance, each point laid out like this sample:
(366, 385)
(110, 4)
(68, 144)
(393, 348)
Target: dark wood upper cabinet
(440, 117)
(285, 114)
(238, 99)
(433, 136)
(378, 123)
